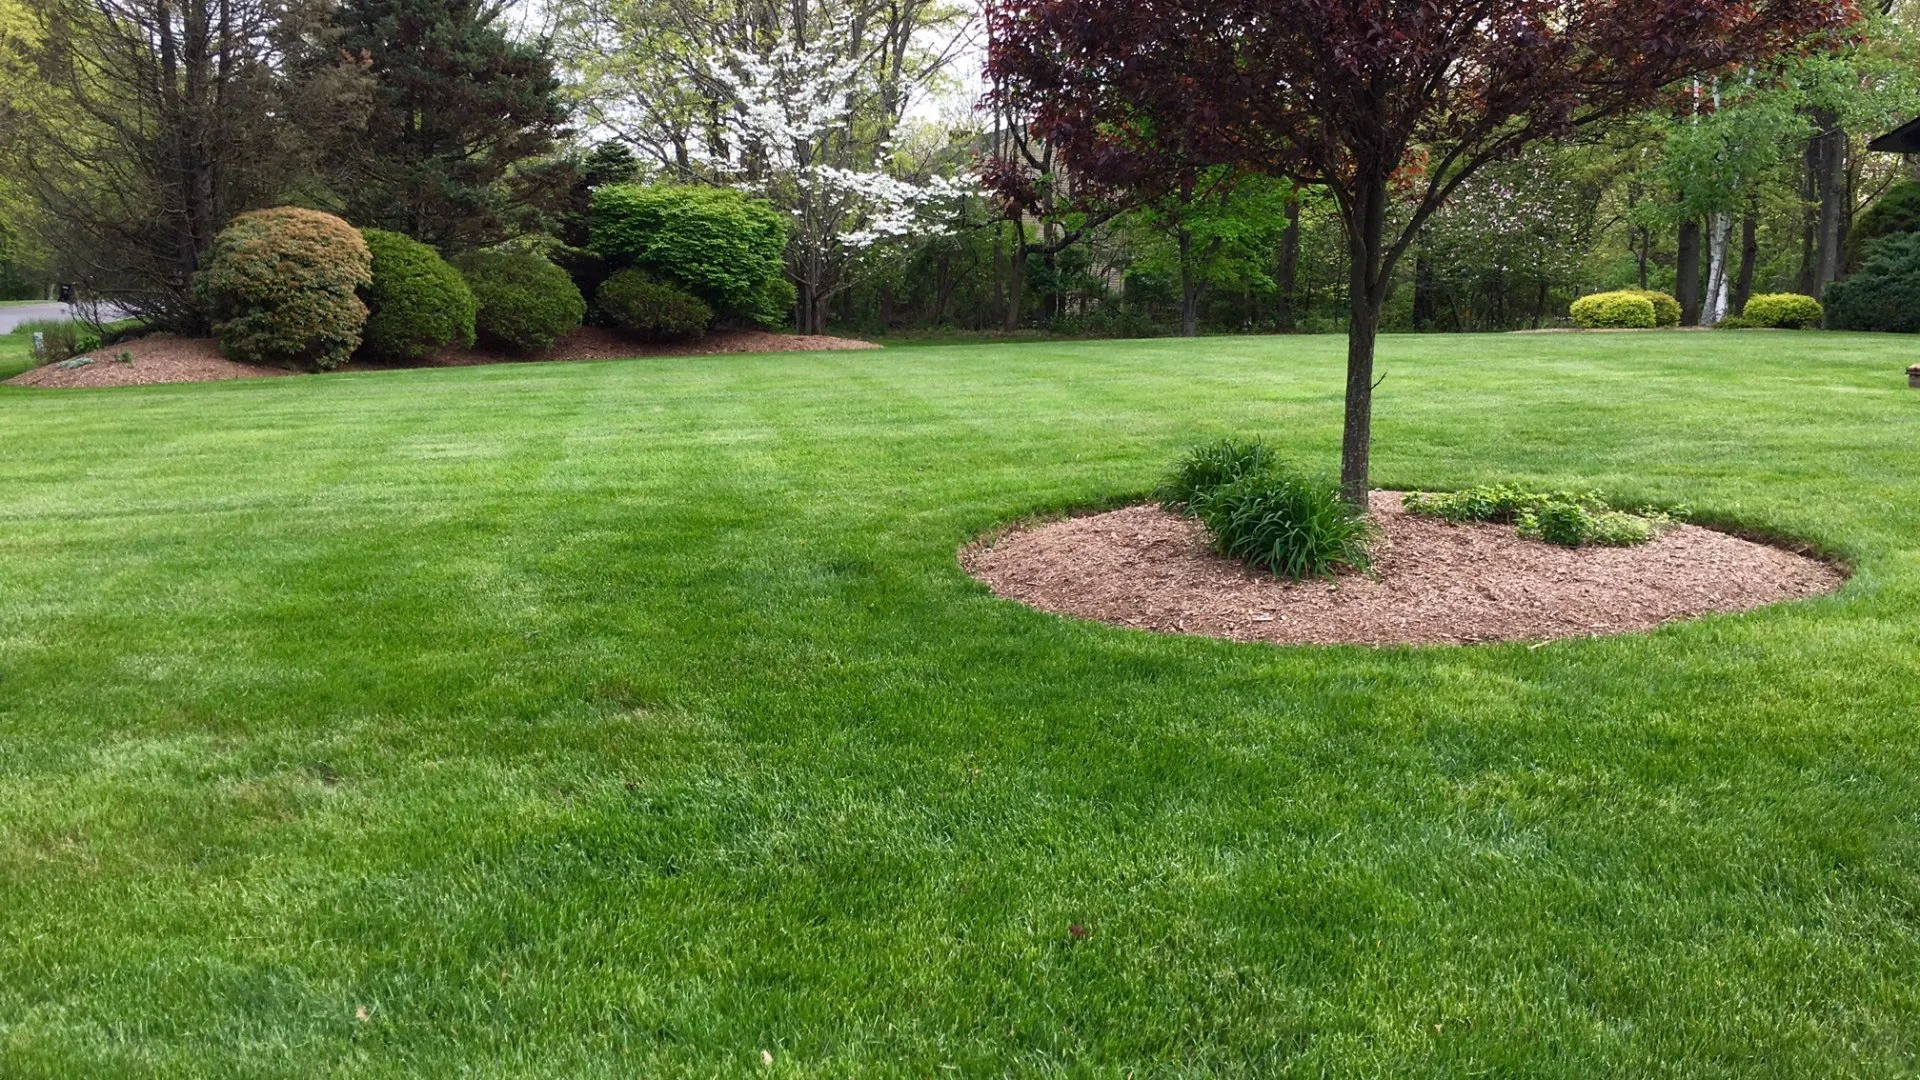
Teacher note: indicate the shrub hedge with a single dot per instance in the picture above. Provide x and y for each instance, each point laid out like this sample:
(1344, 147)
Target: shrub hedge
(715, 243)
(1885, 294)
(1666, 309)
(637, 303)
(1783, 311)
(522, 302)
(282, 286)
(1614, 311)
(416, 303)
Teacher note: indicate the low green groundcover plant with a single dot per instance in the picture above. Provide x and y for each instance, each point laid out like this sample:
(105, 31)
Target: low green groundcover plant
(1260, 510)
(1566, 518)
(1614, 311)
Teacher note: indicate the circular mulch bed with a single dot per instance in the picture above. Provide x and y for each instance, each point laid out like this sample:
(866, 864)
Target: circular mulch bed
(1432, 583)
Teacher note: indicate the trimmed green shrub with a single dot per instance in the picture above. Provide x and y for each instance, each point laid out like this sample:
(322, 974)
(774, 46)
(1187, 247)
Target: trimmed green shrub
(1557, 517)
(716, 243)
(1666, 309)
(1885, 294)
(282, 287)
(1213, 465)
(652, 310)
(1896, 212)
(523, 302)
(416, 303)
(1286, 524)
(63, 338)
(1783, 311)
(1614, 311)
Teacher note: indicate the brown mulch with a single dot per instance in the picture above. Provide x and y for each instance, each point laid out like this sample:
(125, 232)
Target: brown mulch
(157, 358)
(598, 343)
(1432, 583)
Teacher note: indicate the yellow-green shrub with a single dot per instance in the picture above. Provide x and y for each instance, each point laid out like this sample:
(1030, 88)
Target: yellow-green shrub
(281, 287)
(1783, 311)
(1614, 311)
(1666, 309)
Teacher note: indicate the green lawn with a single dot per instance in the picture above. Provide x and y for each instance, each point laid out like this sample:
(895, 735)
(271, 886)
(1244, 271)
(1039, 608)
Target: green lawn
(631, 719)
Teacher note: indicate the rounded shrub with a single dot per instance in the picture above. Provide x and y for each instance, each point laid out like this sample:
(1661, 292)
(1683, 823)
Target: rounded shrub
(1614, 311)
(1783, 311)
(715, 243)
(637, 303)
(417, 303)
(1885, 294)
(1287, 524)
(1666, 309)
(522, 302)
(282, 286)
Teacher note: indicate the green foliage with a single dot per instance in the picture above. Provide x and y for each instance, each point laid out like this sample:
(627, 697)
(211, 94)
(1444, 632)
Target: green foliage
(1290, 525)
(524, 302)
(1614, 311)
(416, 303)
(1895, 213)
(456, 105)
(1557, 517)
(1783, 311)
(1666, 309)
(652, 310)
(61, 338)
(1210, 466)
(1885, 294)
(773, 305)
(716, 243)
(282, 287)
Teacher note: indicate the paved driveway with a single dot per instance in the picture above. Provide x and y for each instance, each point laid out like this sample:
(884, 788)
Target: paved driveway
(12, 315)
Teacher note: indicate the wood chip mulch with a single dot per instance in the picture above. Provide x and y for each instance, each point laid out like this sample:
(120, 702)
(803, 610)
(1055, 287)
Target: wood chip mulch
(1432, 583)
(157, 358)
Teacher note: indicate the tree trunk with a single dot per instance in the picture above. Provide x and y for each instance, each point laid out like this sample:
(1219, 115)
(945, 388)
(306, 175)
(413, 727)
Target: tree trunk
(1288, 280)
(1809, 217)
(1016, 285)
(1366, 296)
(1833, 204)
(1719, 232)
(1749, 256)
(1423, 301)
(1189, 288)
(1686, 284)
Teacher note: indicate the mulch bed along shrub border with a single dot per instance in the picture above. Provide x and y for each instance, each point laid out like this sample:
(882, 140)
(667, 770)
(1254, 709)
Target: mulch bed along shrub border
(164, 359)
(1432, 583)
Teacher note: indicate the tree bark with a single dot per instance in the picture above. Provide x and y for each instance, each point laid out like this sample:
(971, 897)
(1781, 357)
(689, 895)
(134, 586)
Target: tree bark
(1832, 180)
(1686, 285)
(1189, 288)
(1423, 302)
(1749, 256)
(1288, 281)
(1366, 296)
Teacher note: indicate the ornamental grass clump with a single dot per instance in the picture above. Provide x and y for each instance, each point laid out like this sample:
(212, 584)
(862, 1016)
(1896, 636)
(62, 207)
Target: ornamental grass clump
(1260, 510)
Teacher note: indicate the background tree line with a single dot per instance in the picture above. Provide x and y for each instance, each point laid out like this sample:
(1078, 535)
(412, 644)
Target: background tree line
(132, 130)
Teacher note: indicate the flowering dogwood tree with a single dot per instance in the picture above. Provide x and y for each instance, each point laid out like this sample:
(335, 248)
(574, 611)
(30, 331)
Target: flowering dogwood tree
(791, 112)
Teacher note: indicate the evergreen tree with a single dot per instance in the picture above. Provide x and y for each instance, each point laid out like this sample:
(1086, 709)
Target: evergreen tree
(457, 105)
